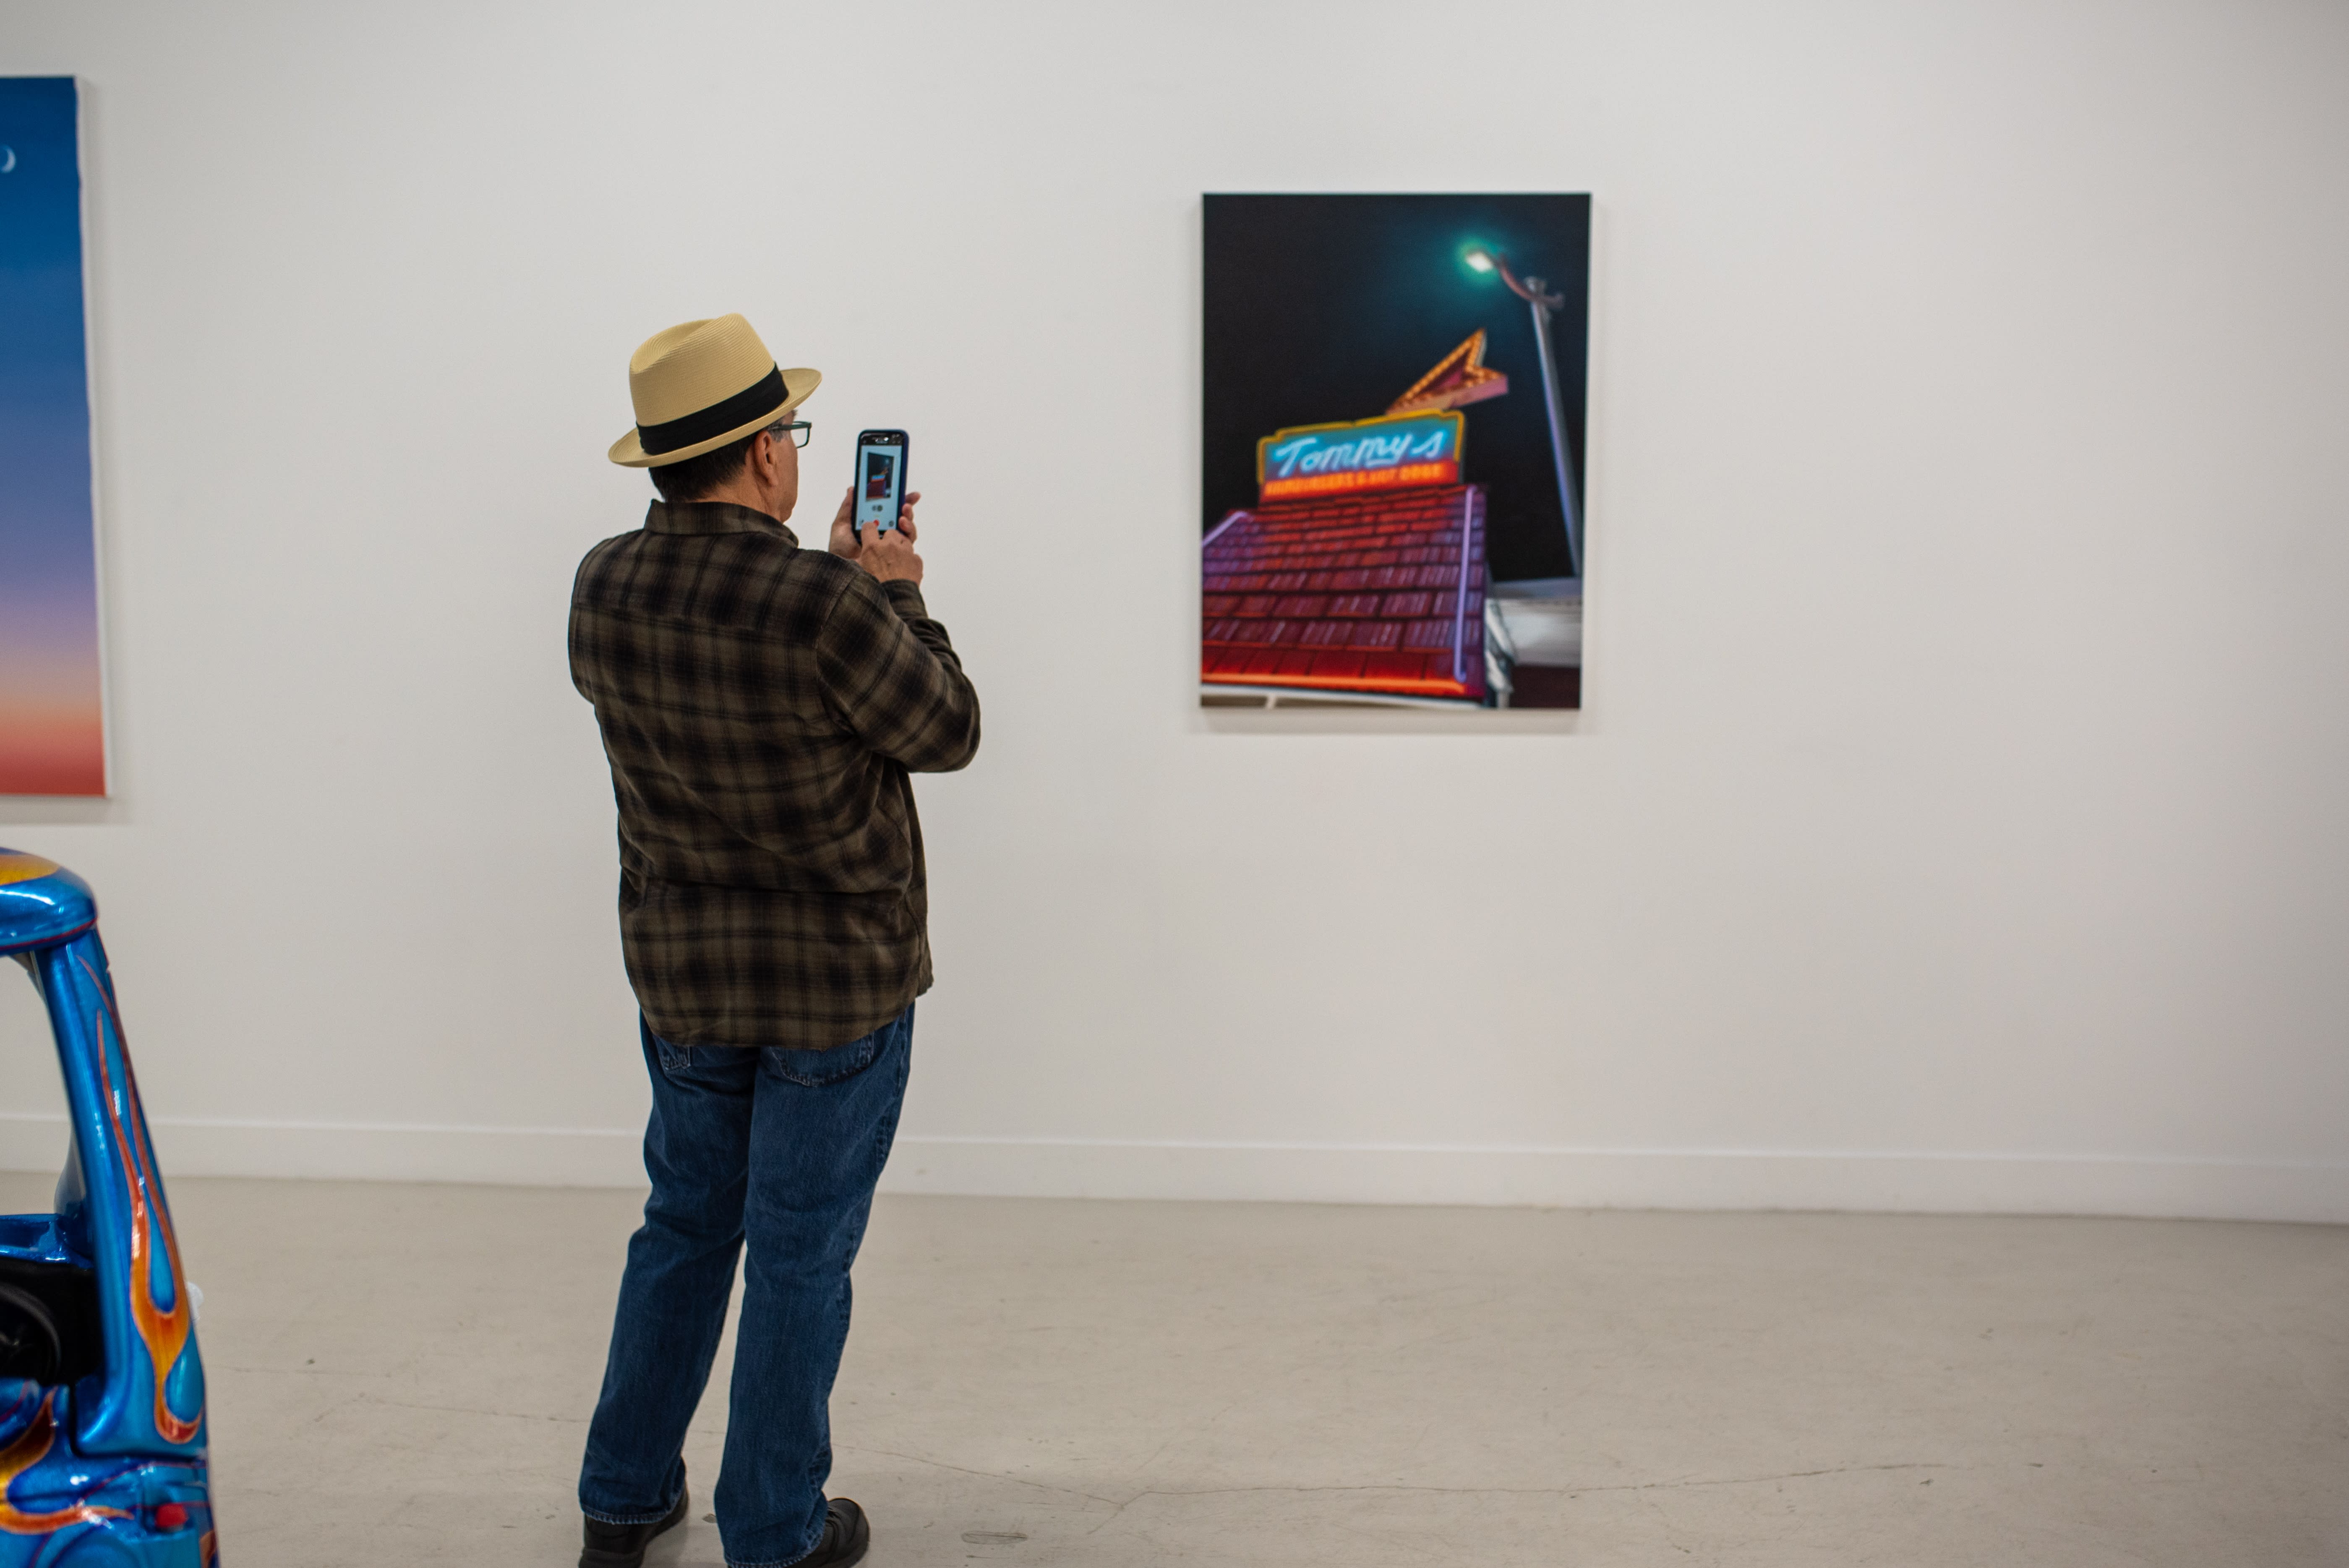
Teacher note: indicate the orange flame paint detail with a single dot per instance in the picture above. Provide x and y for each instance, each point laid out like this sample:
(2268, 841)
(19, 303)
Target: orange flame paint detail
(165, 1332)
(16, 866)
(209, 1548)
(21, 1455)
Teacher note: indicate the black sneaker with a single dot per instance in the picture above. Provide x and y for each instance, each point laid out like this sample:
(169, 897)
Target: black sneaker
(846, 1537)
(623, 1545)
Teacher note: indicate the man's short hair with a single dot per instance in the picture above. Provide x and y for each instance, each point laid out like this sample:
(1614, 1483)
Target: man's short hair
(697, 477)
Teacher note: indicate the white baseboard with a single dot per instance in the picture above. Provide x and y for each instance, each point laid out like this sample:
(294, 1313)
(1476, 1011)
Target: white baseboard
(2314, 1193)
(1629, 1178)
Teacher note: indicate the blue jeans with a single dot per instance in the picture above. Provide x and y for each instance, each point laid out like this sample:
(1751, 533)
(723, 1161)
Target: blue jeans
(783, 1147)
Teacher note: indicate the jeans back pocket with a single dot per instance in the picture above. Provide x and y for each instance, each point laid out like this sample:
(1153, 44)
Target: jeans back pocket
(818, 1069)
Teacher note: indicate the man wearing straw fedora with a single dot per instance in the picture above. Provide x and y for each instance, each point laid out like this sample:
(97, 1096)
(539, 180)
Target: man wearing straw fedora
(762, 704)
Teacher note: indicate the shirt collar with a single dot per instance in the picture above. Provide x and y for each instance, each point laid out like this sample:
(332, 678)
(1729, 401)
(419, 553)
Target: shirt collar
(712, 517)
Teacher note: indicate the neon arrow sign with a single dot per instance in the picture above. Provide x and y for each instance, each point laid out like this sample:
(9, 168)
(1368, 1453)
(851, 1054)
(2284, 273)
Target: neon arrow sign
(1396, 452)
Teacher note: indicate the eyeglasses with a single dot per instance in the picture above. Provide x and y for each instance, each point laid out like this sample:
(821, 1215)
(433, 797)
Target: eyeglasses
(796, 428)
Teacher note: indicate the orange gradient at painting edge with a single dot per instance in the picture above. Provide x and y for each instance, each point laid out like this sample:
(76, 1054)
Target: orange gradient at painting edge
(47, 751)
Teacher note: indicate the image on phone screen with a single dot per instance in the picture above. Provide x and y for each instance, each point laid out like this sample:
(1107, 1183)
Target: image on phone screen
(880, 486)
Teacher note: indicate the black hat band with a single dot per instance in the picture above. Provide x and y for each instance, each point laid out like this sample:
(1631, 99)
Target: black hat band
(717, 419)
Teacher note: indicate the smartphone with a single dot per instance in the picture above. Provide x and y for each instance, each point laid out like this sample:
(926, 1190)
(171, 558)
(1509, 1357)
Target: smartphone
(880, 480)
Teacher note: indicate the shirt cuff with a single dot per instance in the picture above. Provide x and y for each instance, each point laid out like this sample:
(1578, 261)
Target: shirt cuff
(905, 598)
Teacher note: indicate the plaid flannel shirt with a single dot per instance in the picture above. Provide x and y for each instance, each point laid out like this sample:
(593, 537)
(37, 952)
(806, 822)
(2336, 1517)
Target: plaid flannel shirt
(762, 706)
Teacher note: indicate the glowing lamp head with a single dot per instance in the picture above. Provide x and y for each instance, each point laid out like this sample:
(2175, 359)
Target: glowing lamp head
(1479, 260)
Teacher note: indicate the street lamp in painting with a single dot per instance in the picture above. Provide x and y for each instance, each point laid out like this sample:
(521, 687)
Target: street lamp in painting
(1535, 292)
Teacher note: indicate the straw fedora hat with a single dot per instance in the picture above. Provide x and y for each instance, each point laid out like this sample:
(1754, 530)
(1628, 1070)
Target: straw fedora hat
(701, 385)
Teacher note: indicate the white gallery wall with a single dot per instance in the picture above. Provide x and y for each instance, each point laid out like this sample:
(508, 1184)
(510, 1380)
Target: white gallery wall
(1957, 822)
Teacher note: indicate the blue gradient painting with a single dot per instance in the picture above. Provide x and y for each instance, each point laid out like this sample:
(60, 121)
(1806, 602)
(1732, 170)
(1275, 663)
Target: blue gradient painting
(52, 722)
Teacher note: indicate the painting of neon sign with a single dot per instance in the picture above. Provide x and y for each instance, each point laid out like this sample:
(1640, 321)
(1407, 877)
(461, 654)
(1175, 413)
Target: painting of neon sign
(1395, 452)
(1359, 555)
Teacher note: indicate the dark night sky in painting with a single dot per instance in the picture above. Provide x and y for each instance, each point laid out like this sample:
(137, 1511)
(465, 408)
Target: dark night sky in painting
(1321, 308)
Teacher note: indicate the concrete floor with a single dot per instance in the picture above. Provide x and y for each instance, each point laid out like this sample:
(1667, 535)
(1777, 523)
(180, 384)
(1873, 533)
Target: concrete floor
(400, 1374)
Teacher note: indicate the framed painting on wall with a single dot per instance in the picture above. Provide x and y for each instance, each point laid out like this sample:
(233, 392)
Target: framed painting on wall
(1393, 440)
(52, 690)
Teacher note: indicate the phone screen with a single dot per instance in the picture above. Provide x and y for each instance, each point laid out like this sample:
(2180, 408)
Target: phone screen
(880, 481)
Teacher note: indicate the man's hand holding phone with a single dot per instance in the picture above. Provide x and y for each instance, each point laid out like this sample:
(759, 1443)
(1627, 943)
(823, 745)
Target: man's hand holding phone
(888, 554)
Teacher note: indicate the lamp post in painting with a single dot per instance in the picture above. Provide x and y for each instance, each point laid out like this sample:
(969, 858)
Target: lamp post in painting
(1535, 292)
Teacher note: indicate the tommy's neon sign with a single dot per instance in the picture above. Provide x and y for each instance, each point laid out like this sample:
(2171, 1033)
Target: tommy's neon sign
(1390, 453)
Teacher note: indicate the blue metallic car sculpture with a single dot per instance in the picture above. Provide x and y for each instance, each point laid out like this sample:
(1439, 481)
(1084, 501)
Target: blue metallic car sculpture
(101, 1390)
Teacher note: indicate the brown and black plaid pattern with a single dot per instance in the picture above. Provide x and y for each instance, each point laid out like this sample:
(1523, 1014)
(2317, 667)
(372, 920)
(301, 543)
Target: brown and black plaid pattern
(762, 706)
